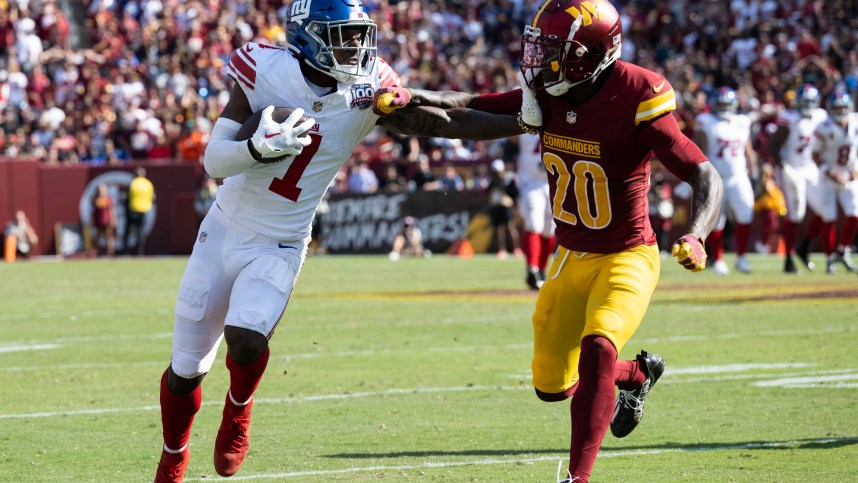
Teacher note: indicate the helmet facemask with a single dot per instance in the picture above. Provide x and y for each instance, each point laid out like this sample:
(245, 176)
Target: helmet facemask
(338, 40)
(563, 63)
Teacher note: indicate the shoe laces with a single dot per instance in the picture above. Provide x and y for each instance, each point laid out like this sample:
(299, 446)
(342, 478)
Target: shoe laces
(568, 478)
(636, 403)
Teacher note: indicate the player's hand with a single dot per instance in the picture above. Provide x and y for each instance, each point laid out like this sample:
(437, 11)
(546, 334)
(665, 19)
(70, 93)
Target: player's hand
(689, 252)
(530, 118)
(275, 140)
(387, 100)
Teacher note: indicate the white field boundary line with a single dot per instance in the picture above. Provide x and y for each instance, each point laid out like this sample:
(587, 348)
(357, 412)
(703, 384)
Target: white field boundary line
(314, 355)
(515, 461)
(812, 380)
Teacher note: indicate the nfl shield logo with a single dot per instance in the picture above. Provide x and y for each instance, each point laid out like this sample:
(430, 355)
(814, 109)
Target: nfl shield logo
(571, 117)
(317, 106)
(203, 236)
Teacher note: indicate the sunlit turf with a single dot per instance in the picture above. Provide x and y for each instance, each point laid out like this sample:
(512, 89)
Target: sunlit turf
(419, 371)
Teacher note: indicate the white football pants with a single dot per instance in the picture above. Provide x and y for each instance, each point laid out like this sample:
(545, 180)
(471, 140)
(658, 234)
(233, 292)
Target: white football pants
(234, 277)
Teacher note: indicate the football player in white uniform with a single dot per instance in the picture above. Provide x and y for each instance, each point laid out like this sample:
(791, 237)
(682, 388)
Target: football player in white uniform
(252, 244)
(835, 150)
(792, 149)
(534, 208)
(725, 138)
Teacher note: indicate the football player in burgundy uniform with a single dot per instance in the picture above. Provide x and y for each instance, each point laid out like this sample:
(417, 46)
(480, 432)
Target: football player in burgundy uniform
(252, 243)
(600, 120)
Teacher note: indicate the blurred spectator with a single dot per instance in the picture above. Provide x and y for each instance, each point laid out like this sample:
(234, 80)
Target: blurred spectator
(408, 242)
(361, 179)
(661, 211)
(424, 179)
(104, 218)
(192, 143)
(205, 197)
(392, 181)
(502, 195)
(450, 179)
(141, 197)
(21, 232)
(771, 209)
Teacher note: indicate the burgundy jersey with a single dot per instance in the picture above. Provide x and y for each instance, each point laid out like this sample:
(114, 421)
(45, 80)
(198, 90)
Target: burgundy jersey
(597, 156)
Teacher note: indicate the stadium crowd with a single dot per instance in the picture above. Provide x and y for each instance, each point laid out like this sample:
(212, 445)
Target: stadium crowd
(108, 81)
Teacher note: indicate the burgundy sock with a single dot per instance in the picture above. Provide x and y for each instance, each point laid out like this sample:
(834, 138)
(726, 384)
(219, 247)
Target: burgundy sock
(716, 244)
(847, 232)
(629, 374)
(243, 380)
(789, 230)
(177, 414)
(814, 227)
(592, 405)
(743, 237)
(829, 232)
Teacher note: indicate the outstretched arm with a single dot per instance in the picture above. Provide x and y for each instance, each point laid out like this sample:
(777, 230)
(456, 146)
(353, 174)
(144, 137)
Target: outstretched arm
(456, 123)
(442, 99)
(706, 200)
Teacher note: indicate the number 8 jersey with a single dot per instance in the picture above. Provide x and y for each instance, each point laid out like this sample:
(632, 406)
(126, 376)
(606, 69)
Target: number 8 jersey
(279, 200)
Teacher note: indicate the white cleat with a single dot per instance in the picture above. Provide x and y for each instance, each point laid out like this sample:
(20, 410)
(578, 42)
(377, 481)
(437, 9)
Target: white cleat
(720, 268)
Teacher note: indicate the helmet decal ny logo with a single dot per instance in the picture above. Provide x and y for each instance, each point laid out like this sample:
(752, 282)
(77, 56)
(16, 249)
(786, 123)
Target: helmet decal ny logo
(300, 11)
(589, 11)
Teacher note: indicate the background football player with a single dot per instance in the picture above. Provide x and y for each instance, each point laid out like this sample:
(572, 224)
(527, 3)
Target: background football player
(792, 150)
(252, 243)
(725, 137)
(835, 149)
(534, 207)
(600, 120)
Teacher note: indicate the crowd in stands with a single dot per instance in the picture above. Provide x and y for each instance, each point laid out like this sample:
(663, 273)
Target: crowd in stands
(110, 81)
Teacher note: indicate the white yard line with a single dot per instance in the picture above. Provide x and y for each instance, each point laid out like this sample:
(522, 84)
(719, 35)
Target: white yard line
(513, 461)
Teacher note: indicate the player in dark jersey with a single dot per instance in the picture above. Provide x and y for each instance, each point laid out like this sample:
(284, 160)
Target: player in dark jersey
(601, 121)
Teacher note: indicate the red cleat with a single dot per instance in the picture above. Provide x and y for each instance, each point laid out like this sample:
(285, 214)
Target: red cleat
(171, 468)
(233, 437)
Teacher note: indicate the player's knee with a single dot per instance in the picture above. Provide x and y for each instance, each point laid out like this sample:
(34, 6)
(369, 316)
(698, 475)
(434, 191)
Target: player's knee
(180, 385)
(597, 348)
(244, 345)
(551, 396)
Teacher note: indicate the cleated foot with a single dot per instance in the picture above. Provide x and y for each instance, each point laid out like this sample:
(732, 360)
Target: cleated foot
(172, 467)
(233, 437)
(629, 408)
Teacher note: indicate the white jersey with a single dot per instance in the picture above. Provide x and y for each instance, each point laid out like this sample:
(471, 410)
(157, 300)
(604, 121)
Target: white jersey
(279, 200)
(529, 168)
(726, 139)
(837, 145)
(797, 150)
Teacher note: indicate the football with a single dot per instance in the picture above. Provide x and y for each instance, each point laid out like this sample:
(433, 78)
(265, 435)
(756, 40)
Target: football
(249, 127)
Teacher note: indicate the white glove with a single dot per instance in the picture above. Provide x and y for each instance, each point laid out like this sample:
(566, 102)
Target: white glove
(275, 140)
(531, 114)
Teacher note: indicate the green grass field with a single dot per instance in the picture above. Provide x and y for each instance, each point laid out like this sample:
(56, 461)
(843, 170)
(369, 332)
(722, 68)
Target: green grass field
(420, 371)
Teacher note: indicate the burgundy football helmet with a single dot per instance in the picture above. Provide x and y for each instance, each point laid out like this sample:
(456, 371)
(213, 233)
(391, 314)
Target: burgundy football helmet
(569, 42)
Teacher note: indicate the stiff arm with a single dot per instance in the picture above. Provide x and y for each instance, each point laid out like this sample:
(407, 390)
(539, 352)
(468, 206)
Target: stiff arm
(451, 123)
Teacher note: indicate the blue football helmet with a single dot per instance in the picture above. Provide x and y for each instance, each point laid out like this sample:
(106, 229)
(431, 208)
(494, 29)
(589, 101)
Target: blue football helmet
(840, 105)
(726, 102)
(808, 99)
(314, 32)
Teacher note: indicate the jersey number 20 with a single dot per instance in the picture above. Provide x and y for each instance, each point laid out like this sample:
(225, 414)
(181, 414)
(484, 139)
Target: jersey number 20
(287, 186)
(586, 179)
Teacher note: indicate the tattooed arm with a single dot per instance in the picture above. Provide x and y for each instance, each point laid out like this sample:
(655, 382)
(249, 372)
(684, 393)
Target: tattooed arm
(442, 99)
(457, 123)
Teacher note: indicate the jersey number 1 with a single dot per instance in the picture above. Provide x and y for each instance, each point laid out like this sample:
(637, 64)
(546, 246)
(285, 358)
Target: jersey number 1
(287, 186)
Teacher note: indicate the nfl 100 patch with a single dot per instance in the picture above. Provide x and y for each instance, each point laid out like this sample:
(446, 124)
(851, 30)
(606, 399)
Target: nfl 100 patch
(361, 95)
